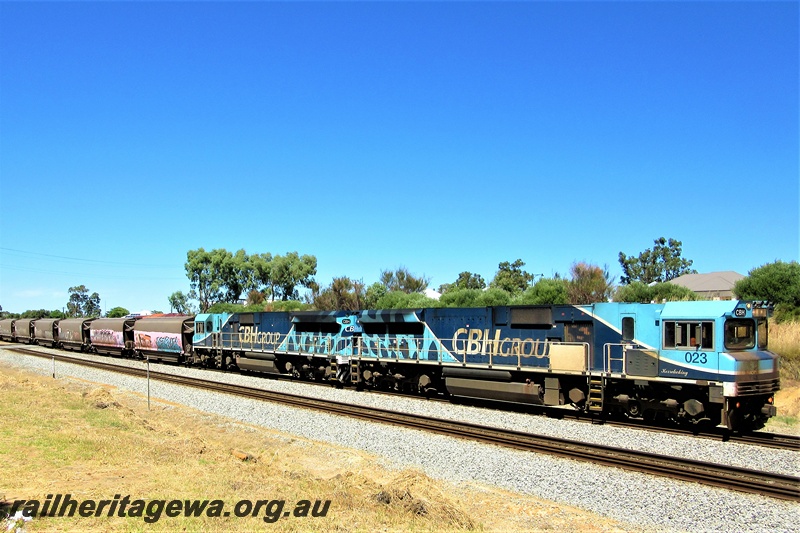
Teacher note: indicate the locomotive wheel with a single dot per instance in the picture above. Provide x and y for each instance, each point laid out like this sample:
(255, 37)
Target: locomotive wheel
(634, 409)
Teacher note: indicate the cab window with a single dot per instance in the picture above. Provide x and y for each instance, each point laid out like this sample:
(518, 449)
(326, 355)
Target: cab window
(688, 335)
(740, 334)
(199, 327)
(628, 331)
(763, 334)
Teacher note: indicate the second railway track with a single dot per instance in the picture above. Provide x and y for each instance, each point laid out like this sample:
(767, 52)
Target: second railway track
(741, 479)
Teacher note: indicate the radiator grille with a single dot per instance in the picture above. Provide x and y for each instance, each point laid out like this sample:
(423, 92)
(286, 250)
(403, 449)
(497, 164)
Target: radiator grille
(758, 387)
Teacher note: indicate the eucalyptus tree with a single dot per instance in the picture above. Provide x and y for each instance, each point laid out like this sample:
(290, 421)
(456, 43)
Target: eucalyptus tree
(203, 271)
(117, 312)
(179, 302)
(662, 263)
(290, 271)
(466, 280)
(511, 277)
(342, 294)
(82, 304)
(401, 280)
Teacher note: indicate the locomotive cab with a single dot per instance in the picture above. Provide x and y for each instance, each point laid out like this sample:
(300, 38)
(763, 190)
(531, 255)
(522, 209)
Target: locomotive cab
(701, 362)
(721, 347)
(750, 372)
(206, 342)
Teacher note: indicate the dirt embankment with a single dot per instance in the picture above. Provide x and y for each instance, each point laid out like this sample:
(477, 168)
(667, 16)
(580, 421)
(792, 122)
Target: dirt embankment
(787, 400)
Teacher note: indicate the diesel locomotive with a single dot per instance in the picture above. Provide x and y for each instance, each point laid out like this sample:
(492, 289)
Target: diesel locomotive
(688, 362)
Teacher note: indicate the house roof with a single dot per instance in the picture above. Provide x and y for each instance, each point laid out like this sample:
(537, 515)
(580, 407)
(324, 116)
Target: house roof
(713, 281)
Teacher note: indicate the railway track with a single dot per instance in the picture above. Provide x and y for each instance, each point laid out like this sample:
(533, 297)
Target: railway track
(734, 478)
(757, 438)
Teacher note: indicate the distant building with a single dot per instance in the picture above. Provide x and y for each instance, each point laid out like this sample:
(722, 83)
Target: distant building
(140, 314)
(430, 293)
(712, 286)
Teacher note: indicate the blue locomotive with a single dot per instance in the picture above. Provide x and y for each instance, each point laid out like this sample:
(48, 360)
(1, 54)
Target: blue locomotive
(696, 362)
(692, 362)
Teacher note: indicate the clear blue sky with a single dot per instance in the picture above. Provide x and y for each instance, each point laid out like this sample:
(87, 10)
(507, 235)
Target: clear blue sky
(442, 137)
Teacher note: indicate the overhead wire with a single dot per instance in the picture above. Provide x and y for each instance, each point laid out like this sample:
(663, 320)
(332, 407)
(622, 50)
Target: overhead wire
(93, 275)
(84, 260)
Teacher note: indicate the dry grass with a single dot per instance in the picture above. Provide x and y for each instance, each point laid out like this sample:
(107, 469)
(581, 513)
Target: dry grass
(60, 436)
(784, 340)
(787, 400)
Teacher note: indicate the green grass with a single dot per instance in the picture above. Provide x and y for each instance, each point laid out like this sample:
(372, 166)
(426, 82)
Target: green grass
(788, 420)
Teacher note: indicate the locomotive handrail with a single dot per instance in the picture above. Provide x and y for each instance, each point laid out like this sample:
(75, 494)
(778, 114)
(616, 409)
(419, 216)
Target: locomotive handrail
(608, 357)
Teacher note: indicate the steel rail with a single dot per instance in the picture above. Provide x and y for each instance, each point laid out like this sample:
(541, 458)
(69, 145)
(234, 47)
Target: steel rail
(735, 478)
(758, 438)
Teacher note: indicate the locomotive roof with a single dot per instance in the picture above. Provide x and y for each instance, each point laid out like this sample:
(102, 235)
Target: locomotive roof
(701, 309)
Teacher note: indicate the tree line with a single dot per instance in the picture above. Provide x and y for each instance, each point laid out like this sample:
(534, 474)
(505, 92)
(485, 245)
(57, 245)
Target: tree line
(645, 278)
(224, 281)
(219, 277)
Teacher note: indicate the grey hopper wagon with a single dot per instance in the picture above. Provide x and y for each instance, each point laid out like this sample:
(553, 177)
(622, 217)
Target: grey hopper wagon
(73, 333)
(164, 338)
(23, 330)
(45, 332)
(7, 329)
(112, 336)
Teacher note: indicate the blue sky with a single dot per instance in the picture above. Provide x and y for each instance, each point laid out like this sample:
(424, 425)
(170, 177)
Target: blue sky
(442, 137)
